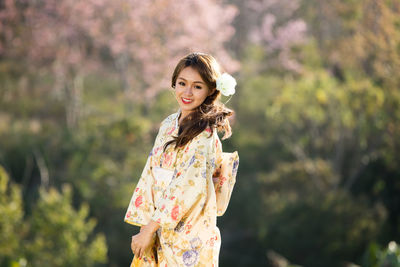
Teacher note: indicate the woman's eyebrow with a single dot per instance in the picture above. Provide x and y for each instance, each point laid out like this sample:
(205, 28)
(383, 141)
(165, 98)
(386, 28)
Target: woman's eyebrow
(193, 82)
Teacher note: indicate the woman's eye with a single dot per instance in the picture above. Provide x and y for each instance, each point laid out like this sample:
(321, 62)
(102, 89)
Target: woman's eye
(197, 87)
(181, 83)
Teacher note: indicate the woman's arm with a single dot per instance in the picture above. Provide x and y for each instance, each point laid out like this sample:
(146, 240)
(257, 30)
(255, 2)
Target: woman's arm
(141, 206)
(144, 239)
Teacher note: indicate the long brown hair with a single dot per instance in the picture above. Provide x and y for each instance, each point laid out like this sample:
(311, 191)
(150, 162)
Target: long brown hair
(211, 113)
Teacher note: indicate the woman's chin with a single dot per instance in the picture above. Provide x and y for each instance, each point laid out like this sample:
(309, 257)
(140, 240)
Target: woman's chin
(187, 108)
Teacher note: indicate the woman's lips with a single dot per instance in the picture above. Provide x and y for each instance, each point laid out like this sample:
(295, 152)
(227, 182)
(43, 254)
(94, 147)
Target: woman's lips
(186, 100)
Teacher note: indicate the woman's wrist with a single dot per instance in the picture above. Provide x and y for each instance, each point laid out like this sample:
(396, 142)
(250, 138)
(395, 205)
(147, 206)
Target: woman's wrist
(151, 227)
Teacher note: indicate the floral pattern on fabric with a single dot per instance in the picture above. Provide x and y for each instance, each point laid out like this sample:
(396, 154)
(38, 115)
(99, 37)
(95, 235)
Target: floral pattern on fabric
(177, 190)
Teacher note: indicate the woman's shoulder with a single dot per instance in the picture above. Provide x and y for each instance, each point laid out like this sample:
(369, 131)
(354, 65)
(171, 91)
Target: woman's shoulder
(206, 138)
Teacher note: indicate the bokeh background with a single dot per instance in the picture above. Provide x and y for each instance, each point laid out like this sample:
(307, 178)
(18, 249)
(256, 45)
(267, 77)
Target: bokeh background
(85, 84)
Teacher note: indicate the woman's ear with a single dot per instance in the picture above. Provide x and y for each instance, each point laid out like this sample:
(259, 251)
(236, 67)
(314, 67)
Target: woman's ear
(211, 91)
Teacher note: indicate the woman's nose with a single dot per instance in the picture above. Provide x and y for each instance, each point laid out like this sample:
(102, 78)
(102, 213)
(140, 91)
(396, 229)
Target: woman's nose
(188, 89)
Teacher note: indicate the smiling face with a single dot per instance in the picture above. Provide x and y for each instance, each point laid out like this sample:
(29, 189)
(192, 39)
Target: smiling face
(190, 90)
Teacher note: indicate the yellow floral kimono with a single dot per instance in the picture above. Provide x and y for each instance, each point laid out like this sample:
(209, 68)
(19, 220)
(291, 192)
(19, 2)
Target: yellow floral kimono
(178, 191)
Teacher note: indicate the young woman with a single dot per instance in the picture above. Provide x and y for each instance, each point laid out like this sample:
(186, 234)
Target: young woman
(187, 180)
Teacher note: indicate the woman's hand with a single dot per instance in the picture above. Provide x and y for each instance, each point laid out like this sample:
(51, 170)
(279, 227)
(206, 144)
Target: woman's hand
(144, 238)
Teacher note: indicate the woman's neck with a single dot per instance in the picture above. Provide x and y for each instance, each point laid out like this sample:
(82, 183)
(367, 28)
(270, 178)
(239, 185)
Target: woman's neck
(182, 116)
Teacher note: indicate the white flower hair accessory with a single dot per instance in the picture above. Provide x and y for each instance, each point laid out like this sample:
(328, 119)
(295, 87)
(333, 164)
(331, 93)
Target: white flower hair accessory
(226, 84)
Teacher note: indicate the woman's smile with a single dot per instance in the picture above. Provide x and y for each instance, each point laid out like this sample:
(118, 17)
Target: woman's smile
(186, 100)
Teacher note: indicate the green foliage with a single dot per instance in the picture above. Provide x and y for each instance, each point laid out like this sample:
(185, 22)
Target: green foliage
(101, 158)
(386, 257)
(55, 234)
(317, 156)
(61, 235)
(335, 112)
(301, 214)
(12, 227)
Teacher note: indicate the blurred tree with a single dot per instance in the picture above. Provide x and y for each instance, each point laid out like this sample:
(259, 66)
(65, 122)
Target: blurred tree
(343, 123)
(313, 227)
(61, 236)
(267, 35)
(331, 115)
(55, 234)
(328, 132)
(363, 43)
(12, 228)
(273, 25)
(141, 40)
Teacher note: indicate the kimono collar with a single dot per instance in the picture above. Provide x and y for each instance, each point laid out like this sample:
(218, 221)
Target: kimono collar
(177, 119)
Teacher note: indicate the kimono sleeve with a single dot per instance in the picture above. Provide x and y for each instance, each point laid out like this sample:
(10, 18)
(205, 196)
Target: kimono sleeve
(223, 184)
(141, 206)
(189, 185)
